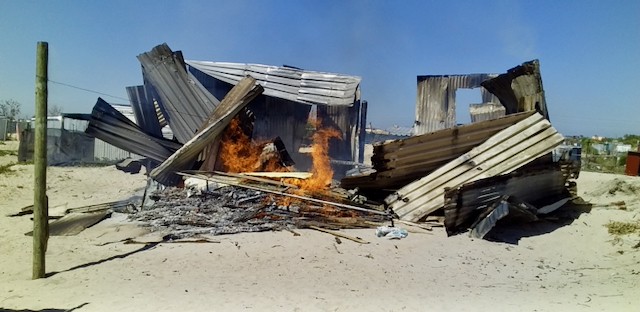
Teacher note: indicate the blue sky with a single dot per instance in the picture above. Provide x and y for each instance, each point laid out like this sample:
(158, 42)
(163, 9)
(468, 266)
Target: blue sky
(589, 50)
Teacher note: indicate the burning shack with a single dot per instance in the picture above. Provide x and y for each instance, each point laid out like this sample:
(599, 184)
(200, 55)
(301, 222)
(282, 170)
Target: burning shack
(251, 132)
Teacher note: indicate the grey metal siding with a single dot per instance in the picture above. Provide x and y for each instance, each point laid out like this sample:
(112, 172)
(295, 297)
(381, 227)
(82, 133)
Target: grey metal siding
(186, 103)
(288, 83)
(436, 99)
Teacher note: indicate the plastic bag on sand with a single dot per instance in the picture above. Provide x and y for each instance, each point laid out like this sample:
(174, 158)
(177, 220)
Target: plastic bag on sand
(391, 232)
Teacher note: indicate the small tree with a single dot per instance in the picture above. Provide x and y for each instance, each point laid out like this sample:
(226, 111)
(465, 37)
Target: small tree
(54, 110)
(10, 108)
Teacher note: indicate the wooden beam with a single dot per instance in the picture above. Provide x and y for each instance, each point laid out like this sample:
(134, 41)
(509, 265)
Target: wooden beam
(338, 234)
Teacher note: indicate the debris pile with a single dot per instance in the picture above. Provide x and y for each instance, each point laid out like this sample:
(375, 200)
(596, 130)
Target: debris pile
(253, 147)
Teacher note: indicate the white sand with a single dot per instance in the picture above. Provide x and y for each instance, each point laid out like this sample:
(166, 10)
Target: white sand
(577, 267)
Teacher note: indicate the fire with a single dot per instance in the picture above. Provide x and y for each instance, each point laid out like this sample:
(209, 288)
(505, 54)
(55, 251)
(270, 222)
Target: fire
(322, 173)
(238, 153)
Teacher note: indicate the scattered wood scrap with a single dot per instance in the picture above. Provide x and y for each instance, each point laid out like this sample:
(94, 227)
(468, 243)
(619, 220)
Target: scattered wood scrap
(338, 234)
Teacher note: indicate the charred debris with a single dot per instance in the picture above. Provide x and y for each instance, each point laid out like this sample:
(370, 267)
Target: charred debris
(255, 148)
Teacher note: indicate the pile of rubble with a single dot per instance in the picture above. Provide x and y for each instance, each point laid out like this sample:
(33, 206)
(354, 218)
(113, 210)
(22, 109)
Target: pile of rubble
(299, 130)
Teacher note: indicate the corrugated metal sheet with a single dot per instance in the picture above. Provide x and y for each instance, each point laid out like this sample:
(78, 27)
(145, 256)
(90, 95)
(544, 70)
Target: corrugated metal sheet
(486, 111)
(104, 151)
(402, 161)
(463, 205)
(436, 101)
(288, 83)
(114, 128)
(504, 152)
(520, 89)
(186, 103)
(144, 110)
(245, 91)
(286, 118)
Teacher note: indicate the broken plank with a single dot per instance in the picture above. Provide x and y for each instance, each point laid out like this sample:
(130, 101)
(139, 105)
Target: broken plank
(338, 234)
(279, 175)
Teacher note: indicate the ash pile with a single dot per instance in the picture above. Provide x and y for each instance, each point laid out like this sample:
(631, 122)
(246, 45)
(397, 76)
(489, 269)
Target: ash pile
(217, 208)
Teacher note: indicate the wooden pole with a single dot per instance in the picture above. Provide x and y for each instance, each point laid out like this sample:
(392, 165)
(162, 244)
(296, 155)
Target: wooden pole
(40, 207)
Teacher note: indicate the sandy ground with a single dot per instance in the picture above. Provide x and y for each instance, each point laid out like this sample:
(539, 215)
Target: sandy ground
(575, 267)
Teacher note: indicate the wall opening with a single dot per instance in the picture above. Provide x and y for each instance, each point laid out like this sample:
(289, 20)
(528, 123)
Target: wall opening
(464, 98)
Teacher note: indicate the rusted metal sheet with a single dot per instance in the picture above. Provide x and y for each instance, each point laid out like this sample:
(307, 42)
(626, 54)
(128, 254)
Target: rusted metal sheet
(539, 187)
(288, 83)
(486, 111)
(402, 161)
(633, 164)
(503, 153)
(186, 103)
(436, 102)
(520, 89)
(109, 125)
(245, 91)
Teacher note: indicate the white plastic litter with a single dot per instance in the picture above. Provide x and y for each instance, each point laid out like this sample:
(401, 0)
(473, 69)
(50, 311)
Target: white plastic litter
(391, 232)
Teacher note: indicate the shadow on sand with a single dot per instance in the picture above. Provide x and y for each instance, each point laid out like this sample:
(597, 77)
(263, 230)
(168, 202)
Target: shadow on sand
(512, 233)
(45, 310)
(122, 256)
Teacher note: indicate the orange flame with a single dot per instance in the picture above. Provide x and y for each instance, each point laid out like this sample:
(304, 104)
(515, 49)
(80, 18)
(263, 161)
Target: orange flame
(322, 173)
(237, 152)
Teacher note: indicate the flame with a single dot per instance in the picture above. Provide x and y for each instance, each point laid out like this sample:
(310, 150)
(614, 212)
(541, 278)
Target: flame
(237, 152)
(322, 173)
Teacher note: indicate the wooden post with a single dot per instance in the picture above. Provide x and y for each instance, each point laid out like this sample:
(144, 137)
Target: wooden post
(40, 207)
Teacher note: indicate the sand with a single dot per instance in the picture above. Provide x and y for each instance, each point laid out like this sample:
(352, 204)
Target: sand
(575, 267)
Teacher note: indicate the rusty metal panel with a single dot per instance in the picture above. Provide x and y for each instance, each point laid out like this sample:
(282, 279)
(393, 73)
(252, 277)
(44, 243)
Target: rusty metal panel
(436, 100)
(520, 89)
(633, 164)
(288, 83)
(402, 161)
(186, 103)
(503, 153)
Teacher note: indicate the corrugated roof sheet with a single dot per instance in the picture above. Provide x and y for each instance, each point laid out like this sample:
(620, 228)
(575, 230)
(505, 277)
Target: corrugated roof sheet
(114, 128)
(184, 100)
(402, 161)
(504, 152)
(288, 83)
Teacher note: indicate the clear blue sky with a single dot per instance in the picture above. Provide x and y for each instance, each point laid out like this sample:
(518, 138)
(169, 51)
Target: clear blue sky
(589, 50)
